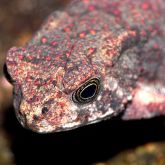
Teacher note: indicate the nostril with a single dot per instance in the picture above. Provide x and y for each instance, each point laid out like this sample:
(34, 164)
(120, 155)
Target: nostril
(6, 74)
(44, 110)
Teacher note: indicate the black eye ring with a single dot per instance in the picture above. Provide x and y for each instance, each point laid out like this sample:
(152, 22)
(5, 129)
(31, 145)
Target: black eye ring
(87, 92)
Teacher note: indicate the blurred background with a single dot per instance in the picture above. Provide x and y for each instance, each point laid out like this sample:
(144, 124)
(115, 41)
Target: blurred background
(109, 142)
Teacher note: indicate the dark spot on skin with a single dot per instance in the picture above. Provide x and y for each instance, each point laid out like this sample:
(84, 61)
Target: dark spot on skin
(44, 110)
(54, 82)
(35, 117)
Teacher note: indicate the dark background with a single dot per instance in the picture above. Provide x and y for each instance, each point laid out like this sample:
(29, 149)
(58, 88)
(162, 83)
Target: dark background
(85, 145)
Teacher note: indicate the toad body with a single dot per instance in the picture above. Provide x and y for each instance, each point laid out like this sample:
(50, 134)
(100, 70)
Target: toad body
(89, 62)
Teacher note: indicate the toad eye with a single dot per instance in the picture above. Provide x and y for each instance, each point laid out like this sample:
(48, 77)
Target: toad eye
(87, 92)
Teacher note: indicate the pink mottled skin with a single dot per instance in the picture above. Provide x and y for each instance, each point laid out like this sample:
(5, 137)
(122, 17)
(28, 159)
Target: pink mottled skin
(117, 44)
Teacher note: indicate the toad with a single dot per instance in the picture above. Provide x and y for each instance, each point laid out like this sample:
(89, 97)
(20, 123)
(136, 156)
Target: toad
(90, 62)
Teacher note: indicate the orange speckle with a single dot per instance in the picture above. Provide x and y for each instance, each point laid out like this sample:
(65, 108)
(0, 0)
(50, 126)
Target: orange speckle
(82, 34)
(93, 32)
(62, 104)
(91, 8)
(54, 43)
(30, 57)
(133, 33)
(116, 12)
(44, 40)
(145, 6)
(90, 51)
(20, 56)
(86, 1)
(67, 29)
(67, 54)
(156, 46)
(48, 58)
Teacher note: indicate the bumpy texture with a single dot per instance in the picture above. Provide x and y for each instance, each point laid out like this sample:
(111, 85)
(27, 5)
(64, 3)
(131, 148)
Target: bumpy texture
(121, 43)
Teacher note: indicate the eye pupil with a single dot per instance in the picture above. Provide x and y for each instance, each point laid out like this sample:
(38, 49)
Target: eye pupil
(88, 92)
